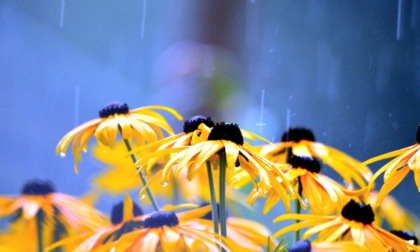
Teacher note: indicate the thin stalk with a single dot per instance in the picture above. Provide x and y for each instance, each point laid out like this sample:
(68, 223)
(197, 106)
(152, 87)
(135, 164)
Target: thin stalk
(298, 209)
(142, 177)
(39, 221)
(213, 201)
(222, 194)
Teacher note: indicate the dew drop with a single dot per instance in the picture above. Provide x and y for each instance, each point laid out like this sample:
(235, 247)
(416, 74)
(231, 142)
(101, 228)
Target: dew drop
(62, 154)
(164, 183)
(142, 196)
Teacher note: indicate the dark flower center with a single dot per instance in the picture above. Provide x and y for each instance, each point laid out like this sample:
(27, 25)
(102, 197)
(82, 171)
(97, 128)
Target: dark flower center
(358, 212)
(118, 211)
(297, 134)
(38, 187)
(160, 219)
(114, 108)
(418, 135)
(194, 122)
(308, 163)
(227, 131)
(406, 235)
(300, 246)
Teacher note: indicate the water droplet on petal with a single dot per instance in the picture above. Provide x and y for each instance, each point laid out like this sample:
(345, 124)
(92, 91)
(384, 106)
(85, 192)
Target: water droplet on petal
(62, 154)
(142, 196)
(164, 183)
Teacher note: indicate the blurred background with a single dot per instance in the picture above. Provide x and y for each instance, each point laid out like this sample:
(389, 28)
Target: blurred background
(348, 70)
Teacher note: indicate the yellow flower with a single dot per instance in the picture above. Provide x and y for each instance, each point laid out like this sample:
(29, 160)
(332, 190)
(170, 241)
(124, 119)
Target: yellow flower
(197, 126)
(249, 234)
(239, 154)
(120, 177)
(39, 209)
(396, 170)
(355, 223)
(159, 231)
(341, 246)
(126, 216)
(406, 235)
(391, 212)
(142, 124)
(324, 195)
(301, 142)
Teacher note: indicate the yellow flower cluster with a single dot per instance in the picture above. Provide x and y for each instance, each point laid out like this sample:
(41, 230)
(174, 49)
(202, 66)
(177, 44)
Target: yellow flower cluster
(205, 175)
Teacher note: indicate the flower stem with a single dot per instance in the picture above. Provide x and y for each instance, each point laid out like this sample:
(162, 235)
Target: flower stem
(214, 212)
(142, 177)
(298, 209)
(222, 194)
(39, 221)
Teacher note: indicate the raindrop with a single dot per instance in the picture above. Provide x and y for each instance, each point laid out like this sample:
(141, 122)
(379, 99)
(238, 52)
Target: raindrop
(164, 183)
(399, 18)
(261, 123)
(62, 154)
(76, 105)
(288, 112)
(143, 18)
(62, 9)
(142, 196)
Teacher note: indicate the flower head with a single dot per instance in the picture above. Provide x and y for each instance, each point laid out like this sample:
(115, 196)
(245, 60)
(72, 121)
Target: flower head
(301, 142)
(126, 216)
(250, 234)
(393, 214)
(354, 223)
(224, 139)
(119, 177)
(324, 195)
(158, 231)
(58, 215)
(144, 125)
(307, 246)
(406, 160)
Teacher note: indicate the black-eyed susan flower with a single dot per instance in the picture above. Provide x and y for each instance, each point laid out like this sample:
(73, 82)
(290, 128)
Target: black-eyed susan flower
(323, 195)
(126, 216)
(144, 125)
(197, 126)
(225, 143)
(406, 235)
(393, 214)
(341, 246)
(406, 160)
(46, 216)
(119, 177)
(301, 142)
(249, 234)
(158, 231)
(354, 223)
(223, 138)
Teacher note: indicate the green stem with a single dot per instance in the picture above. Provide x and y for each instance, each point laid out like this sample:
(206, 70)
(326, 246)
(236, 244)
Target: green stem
(213, 201)
(222, 194)
(39, 221)
(298, 209)
(142, 177)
